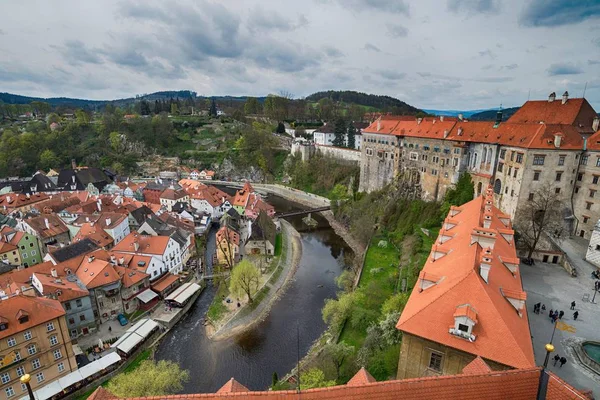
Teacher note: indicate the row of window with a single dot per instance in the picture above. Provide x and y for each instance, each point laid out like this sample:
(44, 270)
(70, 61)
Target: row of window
(39, 377)
(12, 341)
(78, 302)
(35, 364)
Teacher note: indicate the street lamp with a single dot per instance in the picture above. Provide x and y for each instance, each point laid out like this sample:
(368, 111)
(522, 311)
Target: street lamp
(549, 349)
(596, 287)
(25, 380)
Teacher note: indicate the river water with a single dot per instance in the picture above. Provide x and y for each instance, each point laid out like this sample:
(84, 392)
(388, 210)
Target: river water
(252, 357)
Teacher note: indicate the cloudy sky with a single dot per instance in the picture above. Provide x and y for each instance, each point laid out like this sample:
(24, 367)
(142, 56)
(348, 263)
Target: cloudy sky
(450, 54)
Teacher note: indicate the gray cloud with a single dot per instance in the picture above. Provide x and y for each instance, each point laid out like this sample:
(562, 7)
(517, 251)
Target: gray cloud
(596, 41)
(372, 47)
(559, 12)
(77, 52)
(510, 66)
(593, 62)
(487, 53)
(396, 30)
(473, 6)
(391, 74)
(261, 19)
(389, 6)
(332, 52)
(2, 32)
(564, 69)
(488, 66)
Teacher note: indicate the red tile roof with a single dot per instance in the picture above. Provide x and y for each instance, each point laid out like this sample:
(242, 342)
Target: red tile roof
(54, 226)
(362, 377)
(172, 194)
(145, 244)
(224, 231)
(5, 247)
(496, 385)
(15, 200)
(64, 289)
(164, 282)
(431, 307)
(476, 367)
(39, 310)
(95, 273)
(576, 112)
(130, 276)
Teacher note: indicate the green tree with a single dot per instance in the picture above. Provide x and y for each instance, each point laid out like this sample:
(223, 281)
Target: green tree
(252, 106)
(244, 279)
(174, 109)
(213, 108)
(351, 136)
(337, 353)
(274, 379)
(314, 378)
(149, 379)
(48, 159)
(388, 329)
(395, 303)
(339, 132)
(463, 191)
(115, 140)
(280, 128)
(335, 312)
(82, 117)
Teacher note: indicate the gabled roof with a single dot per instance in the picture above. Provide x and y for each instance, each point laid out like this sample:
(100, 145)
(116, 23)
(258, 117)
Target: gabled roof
(501, 334)
(54, 227)
(94, 273)
(16, 200)
(477, 366)
(172, 194)
(39, 310)
(130, 276)
(6, 247)
(224, 232)
(232, 386)
(146, 244)
(73, 250)
(362, 377)
(62, 288)
(576, 112)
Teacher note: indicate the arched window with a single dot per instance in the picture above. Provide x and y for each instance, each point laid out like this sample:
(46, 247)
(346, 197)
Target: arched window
(497, 186)
(474, 160)
(489, 157)
(479, 185)
(484, 155)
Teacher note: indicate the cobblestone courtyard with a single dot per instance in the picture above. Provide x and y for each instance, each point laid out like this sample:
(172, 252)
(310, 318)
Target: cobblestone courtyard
(551, 285)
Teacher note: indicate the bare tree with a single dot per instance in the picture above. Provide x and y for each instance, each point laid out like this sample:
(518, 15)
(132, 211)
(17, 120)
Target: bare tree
(540, 213)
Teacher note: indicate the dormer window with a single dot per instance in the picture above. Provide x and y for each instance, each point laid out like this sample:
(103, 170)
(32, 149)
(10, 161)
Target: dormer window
(3, 326)
(465, 319)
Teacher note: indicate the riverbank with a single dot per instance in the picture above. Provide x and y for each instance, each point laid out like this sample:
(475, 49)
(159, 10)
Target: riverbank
(251, 314)
(342, 231)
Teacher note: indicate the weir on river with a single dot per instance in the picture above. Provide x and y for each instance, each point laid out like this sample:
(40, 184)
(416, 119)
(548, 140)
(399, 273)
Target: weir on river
(252, 357)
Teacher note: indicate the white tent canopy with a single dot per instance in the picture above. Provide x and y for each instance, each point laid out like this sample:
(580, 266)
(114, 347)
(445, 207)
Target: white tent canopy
(135, 335)
(183, 293)
(147, 295)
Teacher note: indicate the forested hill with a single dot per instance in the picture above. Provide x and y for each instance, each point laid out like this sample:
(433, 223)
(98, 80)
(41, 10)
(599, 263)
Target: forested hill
(10, 98)
(490, 115)
(380, 103)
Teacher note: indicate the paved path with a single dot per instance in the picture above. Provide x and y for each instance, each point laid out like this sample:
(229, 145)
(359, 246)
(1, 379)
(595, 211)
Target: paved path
(293, 252)
(551, 285)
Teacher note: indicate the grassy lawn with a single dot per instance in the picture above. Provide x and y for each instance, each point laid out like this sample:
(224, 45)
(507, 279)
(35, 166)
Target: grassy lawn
(380, 263)
(217, 308)
(144, 355)
(135, 314)
(278, 244)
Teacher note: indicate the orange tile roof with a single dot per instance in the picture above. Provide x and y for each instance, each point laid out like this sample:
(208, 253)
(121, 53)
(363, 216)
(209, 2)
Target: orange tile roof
(164, 282)
(224, 231)
(16, 200)
(362, 377)
(476, 367)
(172, 194)
(39, 310)
(130, 276)
(68, 290)
(5, 247)
(54, 227)
(95, 234)
(232, 386)
(94, 273)
(146, 244)
(430, 311)
(576, 112)
(519, 384)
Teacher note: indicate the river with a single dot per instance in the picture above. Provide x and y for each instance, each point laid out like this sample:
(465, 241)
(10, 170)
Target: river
(252, 357)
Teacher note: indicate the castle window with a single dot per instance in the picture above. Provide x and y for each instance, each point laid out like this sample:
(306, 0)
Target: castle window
(539, 159)
(435, 361)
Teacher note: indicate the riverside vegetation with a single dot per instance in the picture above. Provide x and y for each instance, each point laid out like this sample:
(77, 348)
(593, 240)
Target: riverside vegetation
(400, 230)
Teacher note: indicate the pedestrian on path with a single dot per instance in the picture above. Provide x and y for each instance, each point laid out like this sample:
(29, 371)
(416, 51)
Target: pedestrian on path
(575, 315)
(563, 361)
(551, 314)
(543, 308)
(556, 359)
(573, 304)
(560, 314)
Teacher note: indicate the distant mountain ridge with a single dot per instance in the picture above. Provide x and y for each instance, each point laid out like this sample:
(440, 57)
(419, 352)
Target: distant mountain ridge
(486, 114)
(10, 98)
(381, 103)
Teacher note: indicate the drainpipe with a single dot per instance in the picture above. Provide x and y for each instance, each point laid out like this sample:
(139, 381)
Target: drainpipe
(573, 188)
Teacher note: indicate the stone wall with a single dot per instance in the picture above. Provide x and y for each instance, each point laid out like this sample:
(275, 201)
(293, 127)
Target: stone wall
(339, 153)
(379, 161)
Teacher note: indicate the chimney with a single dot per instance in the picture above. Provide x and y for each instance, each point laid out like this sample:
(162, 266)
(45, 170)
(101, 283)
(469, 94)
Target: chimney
(441, 118)
(460, 131)
(73, 164)
(557, 139)
(595, 124)
(486, 265)
(54, 273)
(460, 117)
(378, 124)
(108, 221)
(445, 133)
(419, 121)
(113, 259)
(136, 245)
(552, 97)
(91, 259)
(46, 223)
(121, 260)
(565, 97)
(99, 202)
(498, 117)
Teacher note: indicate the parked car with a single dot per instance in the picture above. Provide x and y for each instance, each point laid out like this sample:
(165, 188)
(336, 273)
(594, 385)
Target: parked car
(122, 319)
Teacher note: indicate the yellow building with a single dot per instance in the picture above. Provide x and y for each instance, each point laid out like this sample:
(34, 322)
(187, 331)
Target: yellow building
(9, 253)
(228, 246)
(34, 340)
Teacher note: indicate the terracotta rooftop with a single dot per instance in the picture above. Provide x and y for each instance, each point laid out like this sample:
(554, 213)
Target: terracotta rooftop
(164, 282)
(47, 225)
(62, 288)
(519, 384)
(576, 112)
(95, 273)
(130, 276)
(501, 330)
(38, 309)
(15, 200)
(142, 244)
(172, 194)
(223, 232)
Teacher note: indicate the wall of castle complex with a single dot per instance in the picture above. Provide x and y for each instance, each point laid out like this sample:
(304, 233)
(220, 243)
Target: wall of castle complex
(340, 153)
(379, 156)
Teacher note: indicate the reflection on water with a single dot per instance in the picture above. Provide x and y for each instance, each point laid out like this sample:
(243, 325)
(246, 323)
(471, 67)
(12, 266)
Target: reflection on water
(252, 357)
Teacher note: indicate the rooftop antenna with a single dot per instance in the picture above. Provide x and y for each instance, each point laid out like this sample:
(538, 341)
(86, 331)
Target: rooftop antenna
(584, 89)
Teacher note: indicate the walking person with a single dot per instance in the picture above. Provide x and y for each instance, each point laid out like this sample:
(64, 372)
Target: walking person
(551, 314)
(563, 361)
(556, 359)
(573, 304)
(575, 315)
(543, 308)
(560, 314)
